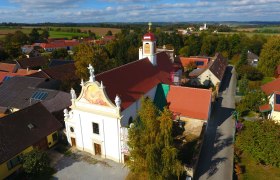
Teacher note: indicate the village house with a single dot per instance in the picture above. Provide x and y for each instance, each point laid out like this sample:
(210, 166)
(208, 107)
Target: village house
(199, 61)
(272, 109)
(59, 44)
(22, 131)
(34, 63)
(212, 75)
(21, 92)
(252, 59)
(99, 117)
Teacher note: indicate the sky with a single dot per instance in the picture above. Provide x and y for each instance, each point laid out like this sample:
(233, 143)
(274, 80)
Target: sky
(90, 11)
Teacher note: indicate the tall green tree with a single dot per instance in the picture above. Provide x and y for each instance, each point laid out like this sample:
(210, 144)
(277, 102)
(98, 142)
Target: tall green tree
(60, 53)
(270, 56)
(34, 36)
(151, 144)
(85, 54)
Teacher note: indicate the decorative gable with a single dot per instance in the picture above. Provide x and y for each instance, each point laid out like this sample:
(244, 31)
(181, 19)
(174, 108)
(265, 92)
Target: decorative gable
(94, 93)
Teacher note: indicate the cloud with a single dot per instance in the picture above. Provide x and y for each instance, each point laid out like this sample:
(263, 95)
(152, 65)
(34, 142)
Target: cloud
(139, 10)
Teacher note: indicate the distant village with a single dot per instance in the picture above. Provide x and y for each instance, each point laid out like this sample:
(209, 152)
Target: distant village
(41, 109)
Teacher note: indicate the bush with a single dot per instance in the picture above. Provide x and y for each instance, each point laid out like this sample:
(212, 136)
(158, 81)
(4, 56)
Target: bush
(261, 140)
(252, 73)
(36, 163)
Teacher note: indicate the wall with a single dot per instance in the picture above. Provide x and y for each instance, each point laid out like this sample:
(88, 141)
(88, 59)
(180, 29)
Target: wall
(4, 172)
(206, 75)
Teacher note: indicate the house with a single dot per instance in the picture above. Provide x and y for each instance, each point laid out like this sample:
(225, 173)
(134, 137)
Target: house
(99, 117)
(252, 59)
(5, 76)
(34, 63)
(21, 92)
(30, 51)
(213, 74)
(22, 131)
(59, 44)
(60, 73)
(7, 67)
(272, 109)
(190, 103)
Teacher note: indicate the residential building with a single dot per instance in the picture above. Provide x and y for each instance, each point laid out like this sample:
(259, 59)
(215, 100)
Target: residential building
(22, 131)
(204, 27)
(34, 63)
(272, 109)
(252, 59)
(213, 74)
(199, 61)
(59, 44)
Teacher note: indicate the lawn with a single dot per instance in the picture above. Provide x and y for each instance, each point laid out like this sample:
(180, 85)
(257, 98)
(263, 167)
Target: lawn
(68, 35)
(267, 80)
(254, 171)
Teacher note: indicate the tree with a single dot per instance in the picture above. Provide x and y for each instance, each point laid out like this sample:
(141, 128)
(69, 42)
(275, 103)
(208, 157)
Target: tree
(59, 53)
(270, 56)
(36, 163)
(151, 143)
(45, 34)
(34, 36)
(243, 85)
(85, 54)
(261, 140)
(109, 33)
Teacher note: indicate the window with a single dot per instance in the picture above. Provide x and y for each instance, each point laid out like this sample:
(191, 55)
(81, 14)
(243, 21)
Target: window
(54, 137)
(13, 162)
(95, 128)
(71, 129)
(277, 98)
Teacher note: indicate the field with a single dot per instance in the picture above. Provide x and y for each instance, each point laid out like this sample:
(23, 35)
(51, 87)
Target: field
(62, 33)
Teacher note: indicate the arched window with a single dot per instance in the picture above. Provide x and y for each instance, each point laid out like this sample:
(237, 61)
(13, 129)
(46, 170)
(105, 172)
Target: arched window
(71, 129)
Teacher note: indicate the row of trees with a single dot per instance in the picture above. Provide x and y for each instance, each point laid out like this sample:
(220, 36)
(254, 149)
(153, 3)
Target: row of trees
(228, 45)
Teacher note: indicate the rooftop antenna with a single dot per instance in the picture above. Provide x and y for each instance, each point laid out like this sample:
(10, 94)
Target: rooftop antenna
(150, 26)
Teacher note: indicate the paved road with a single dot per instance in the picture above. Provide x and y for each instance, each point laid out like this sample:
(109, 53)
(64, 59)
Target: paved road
(216, 158)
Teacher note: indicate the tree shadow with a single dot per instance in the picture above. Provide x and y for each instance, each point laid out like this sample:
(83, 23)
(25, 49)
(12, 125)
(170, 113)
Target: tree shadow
(226, 79)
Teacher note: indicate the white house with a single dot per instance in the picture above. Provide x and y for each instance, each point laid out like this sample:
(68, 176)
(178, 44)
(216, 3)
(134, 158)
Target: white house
(213, 74)
(204, 27)
(272, 109)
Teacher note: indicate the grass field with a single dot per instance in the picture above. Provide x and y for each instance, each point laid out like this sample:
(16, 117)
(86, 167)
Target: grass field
(254, 171)
(60, 34)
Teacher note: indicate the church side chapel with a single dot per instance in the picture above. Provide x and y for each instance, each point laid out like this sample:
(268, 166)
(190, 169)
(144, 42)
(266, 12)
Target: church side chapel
(100, 116)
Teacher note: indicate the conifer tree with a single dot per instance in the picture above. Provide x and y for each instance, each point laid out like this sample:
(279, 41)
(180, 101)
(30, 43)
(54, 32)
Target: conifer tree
(151, 144)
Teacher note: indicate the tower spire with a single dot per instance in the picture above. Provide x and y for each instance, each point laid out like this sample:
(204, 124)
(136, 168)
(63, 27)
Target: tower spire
(150, 26)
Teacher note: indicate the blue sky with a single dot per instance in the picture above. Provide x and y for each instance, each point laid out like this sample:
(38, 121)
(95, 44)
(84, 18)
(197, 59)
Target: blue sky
(33, 11)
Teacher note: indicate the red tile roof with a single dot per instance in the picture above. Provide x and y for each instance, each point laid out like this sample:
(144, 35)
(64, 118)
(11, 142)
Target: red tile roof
(20, 72)
(25, 72)
(265, 108)
(271, 87)
(187, 60)
(133, 80)
(7, 67)
(60, 44)
(4, 74)
(149, 36)
(190, 102)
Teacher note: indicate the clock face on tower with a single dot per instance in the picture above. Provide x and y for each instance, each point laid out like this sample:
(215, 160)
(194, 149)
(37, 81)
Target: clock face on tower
(147, 48)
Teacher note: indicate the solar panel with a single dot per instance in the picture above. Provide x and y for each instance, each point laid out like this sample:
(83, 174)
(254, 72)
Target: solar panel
(39, 95)
(277, 98)
(6, 78)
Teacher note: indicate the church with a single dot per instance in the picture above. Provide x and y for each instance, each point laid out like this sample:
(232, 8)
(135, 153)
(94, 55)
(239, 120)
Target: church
(99, 117)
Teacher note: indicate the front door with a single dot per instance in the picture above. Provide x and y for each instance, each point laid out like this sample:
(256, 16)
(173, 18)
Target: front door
(97, 148)
(73, 141)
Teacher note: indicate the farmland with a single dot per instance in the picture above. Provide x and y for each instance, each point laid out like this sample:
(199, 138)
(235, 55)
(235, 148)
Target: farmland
(60, 32)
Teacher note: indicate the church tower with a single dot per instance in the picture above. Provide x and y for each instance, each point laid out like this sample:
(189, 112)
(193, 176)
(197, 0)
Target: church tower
(149, 47)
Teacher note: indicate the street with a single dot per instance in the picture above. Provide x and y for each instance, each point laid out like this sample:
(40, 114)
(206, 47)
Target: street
(216, 157)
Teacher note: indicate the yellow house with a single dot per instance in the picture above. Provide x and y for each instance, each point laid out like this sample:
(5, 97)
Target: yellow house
(21, 132)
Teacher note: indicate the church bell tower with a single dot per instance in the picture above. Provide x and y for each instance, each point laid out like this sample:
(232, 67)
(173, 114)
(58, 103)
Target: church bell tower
(149, 47)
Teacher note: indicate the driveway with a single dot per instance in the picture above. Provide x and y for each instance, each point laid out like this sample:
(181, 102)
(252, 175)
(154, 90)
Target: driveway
(83, 166)
(216, 158)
